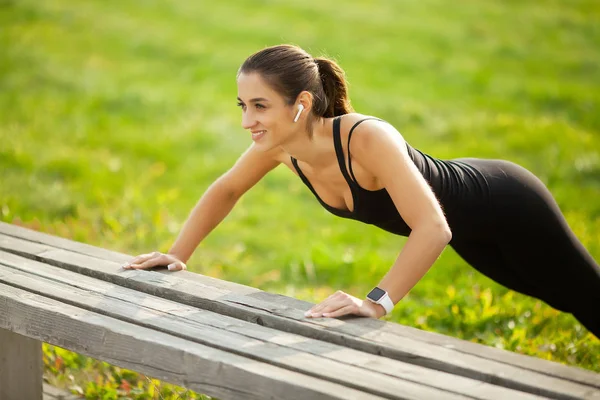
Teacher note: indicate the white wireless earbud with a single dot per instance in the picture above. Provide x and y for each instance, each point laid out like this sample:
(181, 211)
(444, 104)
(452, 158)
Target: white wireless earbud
(300, 108)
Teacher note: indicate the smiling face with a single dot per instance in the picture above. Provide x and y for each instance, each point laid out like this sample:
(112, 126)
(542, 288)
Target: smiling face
(264, 112)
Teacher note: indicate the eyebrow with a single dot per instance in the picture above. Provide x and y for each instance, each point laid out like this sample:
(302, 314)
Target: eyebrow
(255, 100)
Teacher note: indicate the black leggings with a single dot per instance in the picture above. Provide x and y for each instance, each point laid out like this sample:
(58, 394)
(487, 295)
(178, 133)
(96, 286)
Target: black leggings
(531, 249)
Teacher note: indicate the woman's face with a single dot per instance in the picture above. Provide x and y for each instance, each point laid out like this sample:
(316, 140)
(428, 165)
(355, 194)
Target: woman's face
(264, 112)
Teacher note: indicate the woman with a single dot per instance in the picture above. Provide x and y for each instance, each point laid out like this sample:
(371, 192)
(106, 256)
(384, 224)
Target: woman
(497, 215)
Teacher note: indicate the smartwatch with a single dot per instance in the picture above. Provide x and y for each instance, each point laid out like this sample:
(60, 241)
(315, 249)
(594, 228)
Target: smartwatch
(380, 296)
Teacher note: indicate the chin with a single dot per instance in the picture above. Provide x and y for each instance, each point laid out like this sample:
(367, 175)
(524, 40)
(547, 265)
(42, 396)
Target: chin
(265, 143)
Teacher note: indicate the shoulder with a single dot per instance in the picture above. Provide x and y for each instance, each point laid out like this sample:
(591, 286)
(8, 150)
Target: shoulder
(376, 145)
(369, 133)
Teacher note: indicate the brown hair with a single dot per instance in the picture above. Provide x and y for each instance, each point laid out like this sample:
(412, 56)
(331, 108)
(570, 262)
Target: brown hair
(289, 70)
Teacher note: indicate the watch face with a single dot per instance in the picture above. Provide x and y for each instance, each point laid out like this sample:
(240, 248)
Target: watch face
(376, 294)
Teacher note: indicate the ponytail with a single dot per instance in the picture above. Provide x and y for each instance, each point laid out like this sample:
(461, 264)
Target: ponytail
(335, 88)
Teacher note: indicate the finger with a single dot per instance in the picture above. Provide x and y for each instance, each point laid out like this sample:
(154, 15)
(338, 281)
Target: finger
(152, 262)
(147, 256)
(313, 310)
(331, 306)
(336, 298)
(349, 309)
(177, 266)
(334, 305)
(319, 306)
(139, 259)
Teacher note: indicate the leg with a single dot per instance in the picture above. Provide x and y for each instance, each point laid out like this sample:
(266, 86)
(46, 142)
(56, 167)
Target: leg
(562, 272)
(540, 247)
(511, 268)
(487, 258)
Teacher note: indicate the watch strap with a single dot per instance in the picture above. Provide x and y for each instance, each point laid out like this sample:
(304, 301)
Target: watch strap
(386, 303)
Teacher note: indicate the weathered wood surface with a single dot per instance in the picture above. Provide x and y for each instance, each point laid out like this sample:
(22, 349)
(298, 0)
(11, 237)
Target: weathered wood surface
(166, 357)
(390, 340)
(21, 366)
(223, 339)
(393, 341)
(53, 393)
(364, 371)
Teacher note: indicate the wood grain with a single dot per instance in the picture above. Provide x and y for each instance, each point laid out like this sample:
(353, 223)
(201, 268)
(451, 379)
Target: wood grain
(279, 349)
(53, 393)
(364, 371)
(373, 336)
(356, 336)
(21, 367)
(166, 357)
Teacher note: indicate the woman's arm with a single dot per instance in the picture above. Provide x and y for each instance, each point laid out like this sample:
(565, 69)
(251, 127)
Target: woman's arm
(214, 205)
(379, 148)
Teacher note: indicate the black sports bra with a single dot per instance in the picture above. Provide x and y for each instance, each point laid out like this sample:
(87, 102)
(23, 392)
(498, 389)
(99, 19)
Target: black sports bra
(450, 180)
(369, 206)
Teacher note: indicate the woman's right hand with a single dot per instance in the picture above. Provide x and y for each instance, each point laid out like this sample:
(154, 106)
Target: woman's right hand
(145, 261)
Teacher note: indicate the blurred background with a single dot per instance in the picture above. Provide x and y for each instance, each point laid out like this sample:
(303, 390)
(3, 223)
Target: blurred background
(116, 116)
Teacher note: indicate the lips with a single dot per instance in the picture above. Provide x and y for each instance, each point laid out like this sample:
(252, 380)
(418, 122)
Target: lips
(258, 134)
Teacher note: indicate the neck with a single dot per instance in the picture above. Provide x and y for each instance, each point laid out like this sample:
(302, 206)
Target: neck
(315, 150)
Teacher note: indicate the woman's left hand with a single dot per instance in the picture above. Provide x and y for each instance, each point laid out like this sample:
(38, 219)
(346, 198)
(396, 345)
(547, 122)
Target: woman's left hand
(341, 303)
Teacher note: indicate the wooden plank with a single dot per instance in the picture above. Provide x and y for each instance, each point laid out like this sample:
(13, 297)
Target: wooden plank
(285, 350)
(422, 375)
(199, 317)
(154, 279)
(23, 247)
(61, 243)
(53, 393)
(46, 241)
(21, 367)
(362, 329)
(166, 357)
(222, 301)
(280, 312)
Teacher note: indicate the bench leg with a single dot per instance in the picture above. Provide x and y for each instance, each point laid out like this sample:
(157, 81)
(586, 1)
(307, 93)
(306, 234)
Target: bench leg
(21, 367)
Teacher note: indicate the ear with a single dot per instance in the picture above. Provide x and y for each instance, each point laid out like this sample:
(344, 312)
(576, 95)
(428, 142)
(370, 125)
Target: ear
(306, 99)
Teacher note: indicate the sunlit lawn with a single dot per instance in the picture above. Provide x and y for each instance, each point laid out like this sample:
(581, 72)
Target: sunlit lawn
(115, 117)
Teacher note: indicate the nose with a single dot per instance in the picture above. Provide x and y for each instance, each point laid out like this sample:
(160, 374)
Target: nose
(248, 120)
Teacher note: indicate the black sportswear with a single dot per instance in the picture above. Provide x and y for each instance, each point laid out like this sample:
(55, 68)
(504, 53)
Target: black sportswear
(504, 222)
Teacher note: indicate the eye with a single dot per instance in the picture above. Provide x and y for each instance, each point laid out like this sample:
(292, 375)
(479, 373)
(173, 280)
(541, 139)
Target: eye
(242, 105)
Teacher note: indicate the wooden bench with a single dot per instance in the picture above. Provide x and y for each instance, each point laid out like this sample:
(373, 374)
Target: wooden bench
(233, 341)
(52, 393)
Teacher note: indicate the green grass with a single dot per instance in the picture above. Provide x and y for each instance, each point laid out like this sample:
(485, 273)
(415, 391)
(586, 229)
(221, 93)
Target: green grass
(115, 117)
